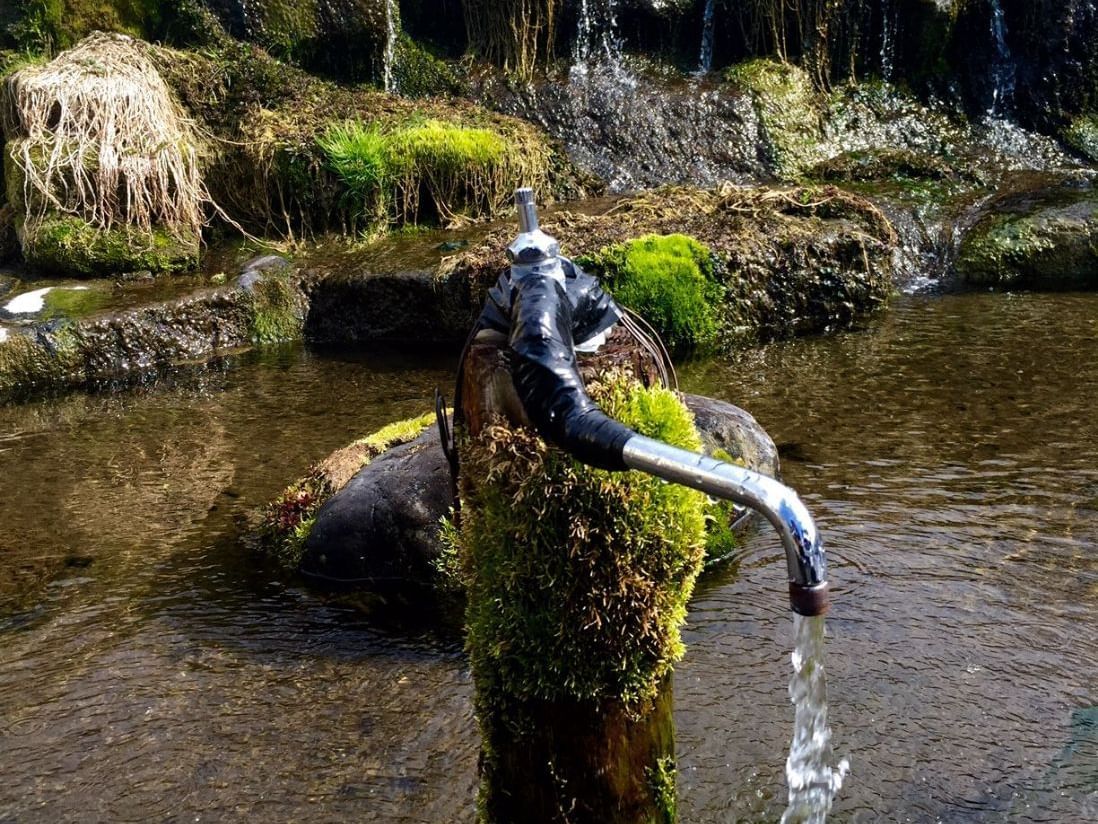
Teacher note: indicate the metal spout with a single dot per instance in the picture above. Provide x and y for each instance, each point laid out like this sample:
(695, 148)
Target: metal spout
(804, 554)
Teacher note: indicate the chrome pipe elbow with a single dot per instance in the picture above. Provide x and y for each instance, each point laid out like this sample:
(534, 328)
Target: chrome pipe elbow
(805, 558)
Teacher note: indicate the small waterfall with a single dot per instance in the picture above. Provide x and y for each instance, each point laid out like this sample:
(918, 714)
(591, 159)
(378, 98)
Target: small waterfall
(813, 782)
(392, 12)
(888, 39)
(597, 34)
(705, 59)
(1002, 65)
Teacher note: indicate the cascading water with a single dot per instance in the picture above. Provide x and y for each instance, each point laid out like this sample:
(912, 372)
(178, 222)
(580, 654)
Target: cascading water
(1002, 65)
(813, 782)
(888, 39)
(392, 12)
(597, 34)
(705, 58)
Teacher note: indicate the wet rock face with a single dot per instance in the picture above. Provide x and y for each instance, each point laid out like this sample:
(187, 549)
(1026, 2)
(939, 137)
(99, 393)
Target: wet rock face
(1041, 237)
(353, 308)
(1057, 63)
(638, 133)
(344, 38)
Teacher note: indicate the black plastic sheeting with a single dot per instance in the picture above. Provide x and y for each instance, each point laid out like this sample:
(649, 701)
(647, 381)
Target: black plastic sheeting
(542, 319)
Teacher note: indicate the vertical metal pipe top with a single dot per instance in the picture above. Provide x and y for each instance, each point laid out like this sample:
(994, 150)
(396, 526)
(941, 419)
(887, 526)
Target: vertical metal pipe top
(527, 214)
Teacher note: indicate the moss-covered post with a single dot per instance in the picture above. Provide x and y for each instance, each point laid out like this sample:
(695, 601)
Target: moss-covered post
(577, 584)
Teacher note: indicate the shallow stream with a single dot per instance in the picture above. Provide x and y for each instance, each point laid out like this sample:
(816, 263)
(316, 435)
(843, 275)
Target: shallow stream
(150, 669)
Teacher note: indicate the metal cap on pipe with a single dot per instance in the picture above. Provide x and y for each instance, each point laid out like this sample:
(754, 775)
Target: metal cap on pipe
(527, 214)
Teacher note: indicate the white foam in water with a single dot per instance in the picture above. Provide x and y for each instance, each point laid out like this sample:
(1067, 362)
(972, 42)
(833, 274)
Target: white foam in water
(30, 303)
(813, 782)
(3, 334)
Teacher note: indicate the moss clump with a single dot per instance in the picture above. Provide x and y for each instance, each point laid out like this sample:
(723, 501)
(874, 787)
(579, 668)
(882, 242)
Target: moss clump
(1082, 135)
(418, 73)
(286, 522)
(577, 578)
(462, 170)
(789, 110)
(277, 310)
(662, 779)
(73, 246)
(669, 280)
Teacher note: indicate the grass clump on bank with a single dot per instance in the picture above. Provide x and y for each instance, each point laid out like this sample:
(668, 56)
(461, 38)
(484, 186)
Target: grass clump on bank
(669, 280)
(578, 578)
(462, 170)
(286, 522)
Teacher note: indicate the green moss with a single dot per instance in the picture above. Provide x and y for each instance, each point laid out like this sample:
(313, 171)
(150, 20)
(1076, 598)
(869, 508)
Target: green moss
(668, 279)
(789, 111)
(578, 578)
(278, 310)
(662, 779)
(286, 522)
(418, 73)
(1082, 135)
(73, 303)
(69, 245)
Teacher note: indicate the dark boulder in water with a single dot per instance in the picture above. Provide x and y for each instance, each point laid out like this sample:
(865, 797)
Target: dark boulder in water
(1040, 234)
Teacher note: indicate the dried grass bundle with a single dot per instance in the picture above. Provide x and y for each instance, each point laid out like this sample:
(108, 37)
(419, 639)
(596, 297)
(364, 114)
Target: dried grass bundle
(96, 134)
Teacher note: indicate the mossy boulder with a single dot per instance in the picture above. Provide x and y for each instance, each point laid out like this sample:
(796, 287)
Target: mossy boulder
(286, 523)
(790, 111)
(70, 246)
(1041, 239)
(789, 260)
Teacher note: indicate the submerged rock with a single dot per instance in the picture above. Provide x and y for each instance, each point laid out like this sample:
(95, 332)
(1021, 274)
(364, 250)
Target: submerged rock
(1040, 236)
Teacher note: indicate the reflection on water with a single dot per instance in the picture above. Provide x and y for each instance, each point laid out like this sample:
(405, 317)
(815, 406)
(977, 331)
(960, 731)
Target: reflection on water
(150, 670)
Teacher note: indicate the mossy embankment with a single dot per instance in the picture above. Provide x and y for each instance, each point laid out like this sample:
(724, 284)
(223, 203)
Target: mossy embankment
(296, 155)
(786, 260)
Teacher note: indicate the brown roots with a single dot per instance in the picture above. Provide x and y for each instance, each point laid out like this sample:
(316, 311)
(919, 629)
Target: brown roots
(96, 134)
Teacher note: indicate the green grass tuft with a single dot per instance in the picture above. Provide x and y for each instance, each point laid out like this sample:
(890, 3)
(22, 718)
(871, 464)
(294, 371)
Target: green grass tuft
(668, 279)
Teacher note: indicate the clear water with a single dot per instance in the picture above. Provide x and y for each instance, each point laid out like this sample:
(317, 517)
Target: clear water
(150, 669)
(812, 780)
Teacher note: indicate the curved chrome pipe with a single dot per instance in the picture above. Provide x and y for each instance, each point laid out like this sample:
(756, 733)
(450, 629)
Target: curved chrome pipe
(804, 554)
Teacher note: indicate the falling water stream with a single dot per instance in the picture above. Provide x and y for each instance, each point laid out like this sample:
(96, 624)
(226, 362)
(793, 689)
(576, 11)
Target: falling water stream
(813, 782)
(1002, 67)
(705, 58)
(391, 14)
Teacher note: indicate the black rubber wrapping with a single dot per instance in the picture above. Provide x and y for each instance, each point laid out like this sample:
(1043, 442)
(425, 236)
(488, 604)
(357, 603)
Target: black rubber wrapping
(593, 310)
(547, 379)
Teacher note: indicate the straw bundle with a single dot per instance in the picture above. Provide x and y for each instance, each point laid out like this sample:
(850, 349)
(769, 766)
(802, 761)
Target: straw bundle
(96, 134)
